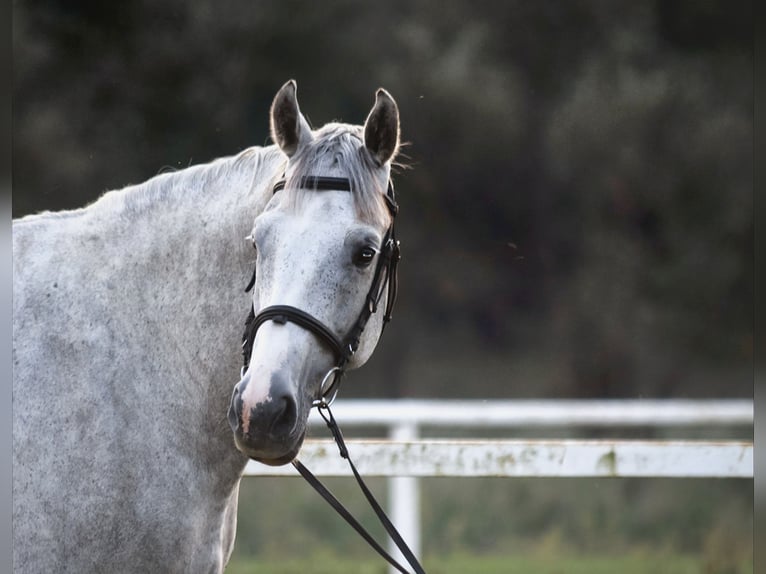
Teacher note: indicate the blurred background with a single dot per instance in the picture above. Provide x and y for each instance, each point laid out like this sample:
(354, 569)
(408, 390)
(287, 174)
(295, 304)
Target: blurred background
(576, 220)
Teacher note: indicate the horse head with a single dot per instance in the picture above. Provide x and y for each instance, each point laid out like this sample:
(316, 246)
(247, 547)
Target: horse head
(324, 247)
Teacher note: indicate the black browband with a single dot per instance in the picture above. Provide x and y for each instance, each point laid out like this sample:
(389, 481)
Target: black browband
(385, 274)
(318, 183)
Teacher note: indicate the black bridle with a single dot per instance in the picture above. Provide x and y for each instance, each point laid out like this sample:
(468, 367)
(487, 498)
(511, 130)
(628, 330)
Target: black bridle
(343, 349)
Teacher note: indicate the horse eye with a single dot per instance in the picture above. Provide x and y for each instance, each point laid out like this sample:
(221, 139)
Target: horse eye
(364, 256)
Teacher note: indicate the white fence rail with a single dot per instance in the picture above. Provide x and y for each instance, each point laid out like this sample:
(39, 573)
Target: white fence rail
(564, 458)
(405, 457)
(542, 413)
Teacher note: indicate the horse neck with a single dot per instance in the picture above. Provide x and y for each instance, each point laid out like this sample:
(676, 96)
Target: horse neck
(183, 267)
(188, 229)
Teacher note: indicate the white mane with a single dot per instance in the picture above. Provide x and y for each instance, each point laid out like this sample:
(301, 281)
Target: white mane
(132, 200)
(335, 148)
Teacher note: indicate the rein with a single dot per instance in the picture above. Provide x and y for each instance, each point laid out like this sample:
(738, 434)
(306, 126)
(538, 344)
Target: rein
(345, 514)
(343, 349)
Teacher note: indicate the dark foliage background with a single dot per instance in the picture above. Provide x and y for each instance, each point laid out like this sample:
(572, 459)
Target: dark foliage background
(577, 221)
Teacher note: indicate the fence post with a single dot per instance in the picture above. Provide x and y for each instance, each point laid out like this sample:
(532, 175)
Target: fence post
(404, 500)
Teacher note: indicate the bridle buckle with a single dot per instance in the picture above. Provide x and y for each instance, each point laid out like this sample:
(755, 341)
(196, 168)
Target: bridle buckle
(328, 392)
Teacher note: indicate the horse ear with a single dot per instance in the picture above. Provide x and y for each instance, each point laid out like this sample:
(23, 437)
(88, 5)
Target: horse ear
(289, 129)
(381, 130)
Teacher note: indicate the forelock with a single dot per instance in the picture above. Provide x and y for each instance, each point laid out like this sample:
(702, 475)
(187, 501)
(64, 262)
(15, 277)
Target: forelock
(339, 148)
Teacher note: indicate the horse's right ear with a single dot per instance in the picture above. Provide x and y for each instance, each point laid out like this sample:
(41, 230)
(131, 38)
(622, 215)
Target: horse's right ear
(289, 129)
(381, 130)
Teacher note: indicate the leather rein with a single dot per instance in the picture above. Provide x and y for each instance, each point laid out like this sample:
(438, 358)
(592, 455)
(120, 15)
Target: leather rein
(343, 349)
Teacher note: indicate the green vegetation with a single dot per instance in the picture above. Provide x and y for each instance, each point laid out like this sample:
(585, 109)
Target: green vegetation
(636, 563)
(534, 526)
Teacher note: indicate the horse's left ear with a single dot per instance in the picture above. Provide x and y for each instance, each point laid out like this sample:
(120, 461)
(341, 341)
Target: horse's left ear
(381, 130)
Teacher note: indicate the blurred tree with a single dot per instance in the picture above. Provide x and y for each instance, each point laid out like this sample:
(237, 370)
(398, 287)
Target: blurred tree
(578, 215)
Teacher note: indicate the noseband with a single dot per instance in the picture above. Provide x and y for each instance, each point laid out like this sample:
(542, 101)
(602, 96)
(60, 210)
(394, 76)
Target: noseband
(343, 348)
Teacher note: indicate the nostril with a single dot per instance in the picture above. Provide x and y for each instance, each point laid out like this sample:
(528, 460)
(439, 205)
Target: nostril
(284, 417)
(268, 413)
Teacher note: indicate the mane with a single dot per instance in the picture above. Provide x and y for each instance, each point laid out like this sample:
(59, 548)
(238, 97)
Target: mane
(336, 148)
(340, 148)
(165, 187)
(190, 181)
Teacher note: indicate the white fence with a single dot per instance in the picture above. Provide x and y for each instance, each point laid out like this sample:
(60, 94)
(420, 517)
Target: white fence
(405, 457)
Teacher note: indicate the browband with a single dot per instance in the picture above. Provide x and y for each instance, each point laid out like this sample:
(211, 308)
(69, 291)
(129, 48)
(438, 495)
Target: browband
(318, 183)
(321, 183)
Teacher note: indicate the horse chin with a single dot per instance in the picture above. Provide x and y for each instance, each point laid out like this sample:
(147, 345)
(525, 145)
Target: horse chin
(277, 461)
(273, 455)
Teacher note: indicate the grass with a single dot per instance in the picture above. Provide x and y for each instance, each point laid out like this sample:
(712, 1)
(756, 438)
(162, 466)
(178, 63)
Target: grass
(510, 526)
(635, 563)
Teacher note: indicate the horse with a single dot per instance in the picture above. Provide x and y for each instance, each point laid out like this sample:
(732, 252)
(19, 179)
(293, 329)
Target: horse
(132, 417)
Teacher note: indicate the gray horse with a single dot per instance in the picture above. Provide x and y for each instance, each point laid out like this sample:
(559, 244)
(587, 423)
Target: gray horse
(127, 322)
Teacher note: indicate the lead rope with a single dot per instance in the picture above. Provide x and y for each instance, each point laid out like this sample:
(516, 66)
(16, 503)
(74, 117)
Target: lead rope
(345, 514)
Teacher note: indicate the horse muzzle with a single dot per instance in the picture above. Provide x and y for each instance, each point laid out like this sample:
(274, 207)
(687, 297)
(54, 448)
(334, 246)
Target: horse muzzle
(268, 426)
